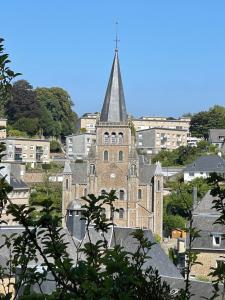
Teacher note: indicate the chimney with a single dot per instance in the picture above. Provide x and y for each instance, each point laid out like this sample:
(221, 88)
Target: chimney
(74, 224)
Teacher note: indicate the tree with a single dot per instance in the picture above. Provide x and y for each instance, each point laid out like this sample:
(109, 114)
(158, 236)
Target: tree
(6, 76)
(55, 147)
(205, 120)
(23, 103)
(57, 103)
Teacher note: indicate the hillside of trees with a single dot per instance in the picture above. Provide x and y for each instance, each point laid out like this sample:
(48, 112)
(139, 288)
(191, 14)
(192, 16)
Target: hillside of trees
(46, 111)
(204, 120)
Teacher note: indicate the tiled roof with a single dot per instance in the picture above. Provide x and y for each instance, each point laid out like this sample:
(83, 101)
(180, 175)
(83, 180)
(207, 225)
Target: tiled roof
(208, 163)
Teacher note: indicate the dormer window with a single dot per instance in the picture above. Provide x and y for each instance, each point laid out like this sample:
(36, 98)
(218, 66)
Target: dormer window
(216, 240)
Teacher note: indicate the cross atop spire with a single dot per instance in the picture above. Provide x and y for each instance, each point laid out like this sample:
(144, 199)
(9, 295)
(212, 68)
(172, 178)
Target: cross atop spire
(117, 39)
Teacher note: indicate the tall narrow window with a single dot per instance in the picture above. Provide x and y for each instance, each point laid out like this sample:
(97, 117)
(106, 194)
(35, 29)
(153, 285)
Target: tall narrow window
(113, 137)
(121, 195)
(120, 138)
(133, 170)
(139, 194)
(121, 213)
(85, 192)
(106, 138)
(103, 212)
(106, 155)
(120, 155)
(92, 169)
(158, 185)
(67, 184)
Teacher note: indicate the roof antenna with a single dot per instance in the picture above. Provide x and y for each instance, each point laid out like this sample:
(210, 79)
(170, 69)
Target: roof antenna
(116, 40)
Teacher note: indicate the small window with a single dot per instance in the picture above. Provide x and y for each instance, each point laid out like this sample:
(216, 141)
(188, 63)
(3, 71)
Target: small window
(106, 155)
(103, 212)
(120, 155)
(158, 185)
(121, 195)
(191, 174)
(70, 213)
(120, 138)
(32, 147)
(113, 138)
(103, 192)
(219, 263)
(76, 212)
(121, 213)
(67, 184)
(85, 192)
(216, 240)
(139, 194)
(106, 138)
(92, 169)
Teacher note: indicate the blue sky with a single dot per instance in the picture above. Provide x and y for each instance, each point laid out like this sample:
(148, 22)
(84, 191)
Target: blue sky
(172, 53)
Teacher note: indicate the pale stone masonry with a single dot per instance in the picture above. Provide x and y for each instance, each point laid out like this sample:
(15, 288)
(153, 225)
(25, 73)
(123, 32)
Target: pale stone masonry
(27, 150)
(114, 164)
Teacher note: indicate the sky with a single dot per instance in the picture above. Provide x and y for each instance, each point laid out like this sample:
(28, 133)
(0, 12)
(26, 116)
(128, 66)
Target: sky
(172, 53)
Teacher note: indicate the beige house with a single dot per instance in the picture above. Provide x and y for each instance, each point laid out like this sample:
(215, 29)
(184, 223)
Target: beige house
(27, 150)
(88, 122)
(114, 164)
(153, 140)
(3, 123)
(13, 172)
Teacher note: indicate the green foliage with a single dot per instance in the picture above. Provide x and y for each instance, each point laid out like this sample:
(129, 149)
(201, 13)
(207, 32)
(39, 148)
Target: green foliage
(58, 118)
(16, 133)
(55, 146)
(205, 120)
(6, 76)
(183, 155)
(178, 204)
(28, 125)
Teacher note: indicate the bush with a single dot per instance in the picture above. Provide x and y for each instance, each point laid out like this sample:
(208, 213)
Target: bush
(55, 147)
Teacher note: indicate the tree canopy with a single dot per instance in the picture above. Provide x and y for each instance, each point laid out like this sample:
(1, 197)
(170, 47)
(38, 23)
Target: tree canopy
(205, 120)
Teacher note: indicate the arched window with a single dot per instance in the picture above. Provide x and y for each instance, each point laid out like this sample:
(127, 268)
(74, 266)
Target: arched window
(158, 185)
(67, 184)
(106, 138)
(139, 194)
(120, 155)
(85, 192)
(121, 213)
(113, 137)
(133, 170)
(120, 138)
(121, 195)
(106, 155)
(103, 192)
(92, 169)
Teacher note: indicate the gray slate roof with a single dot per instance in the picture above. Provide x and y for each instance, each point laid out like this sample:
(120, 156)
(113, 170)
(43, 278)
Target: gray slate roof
(79, 172)
(215, 134)
(114, 107)
(204, 218)
(18, 184)
(208, 163)
(122, 236)
(146, 172)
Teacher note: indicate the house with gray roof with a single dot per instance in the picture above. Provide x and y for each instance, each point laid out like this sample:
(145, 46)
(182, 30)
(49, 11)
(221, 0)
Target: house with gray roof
(217, 138)
(210, 246)
(204, 166)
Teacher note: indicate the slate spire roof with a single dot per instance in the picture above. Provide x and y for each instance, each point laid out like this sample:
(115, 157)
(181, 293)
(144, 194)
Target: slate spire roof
(114, 107)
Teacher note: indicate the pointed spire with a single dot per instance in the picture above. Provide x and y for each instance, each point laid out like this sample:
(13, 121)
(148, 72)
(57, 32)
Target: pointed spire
(114, 107)
(67, 169)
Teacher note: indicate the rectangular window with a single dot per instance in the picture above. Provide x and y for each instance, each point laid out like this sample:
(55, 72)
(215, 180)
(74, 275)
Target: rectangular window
(219, 263)
(31, 147)
(216, 240)
(191, 174)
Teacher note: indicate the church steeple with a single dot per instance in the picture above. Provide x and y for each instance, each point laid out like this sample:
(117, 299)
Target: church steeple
(114, 107)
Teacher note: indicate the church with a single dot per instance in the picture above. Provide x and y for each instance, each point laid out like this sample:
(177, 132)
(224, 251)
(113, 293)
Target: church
(113, 163)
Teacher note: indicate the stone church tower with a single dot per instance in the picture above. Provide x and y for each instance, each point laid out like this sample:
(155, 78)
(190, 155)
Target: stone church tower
(114, 164)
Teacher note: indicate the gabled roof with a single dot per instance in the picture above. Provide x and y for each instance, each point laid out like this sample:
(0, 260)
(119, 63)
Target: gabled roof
(208, 163)
(114, 107)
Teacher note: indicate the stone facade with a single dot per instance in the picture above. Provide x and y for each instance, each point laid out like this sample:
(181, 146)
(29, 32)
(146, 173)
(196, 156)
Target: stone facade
(3, 123)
